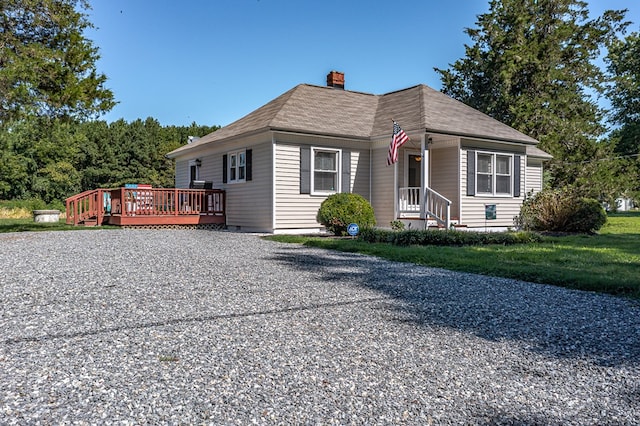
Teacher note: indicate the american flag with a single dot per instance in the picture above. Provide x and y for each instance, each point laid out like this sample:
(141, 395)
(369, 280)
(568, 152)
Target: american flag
(399, 137)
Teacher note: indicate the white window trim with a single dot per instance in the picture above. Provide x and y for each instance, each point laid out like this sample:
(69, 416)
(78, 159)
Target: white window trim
(338, 153)
(237, 166)
(494, 174)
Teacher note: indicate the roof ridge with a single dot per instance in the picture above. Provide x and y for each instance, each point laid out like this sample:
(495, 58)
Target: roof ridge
(337, 89)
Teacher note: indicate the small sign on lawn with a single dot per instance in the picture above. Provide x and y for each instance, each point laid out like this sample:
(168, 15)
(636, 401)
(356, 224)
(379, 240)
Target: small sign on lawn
(353, 229)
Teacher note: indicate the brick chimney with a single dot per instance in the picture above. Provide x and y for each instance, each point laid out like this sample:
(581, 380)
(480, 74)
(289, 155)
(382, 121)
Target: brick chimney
(335, 79)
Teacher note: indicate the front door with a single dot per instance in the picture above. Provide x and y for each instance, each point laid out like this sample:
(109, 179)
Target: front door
(409, 193)
(413, 162)
(413, 170)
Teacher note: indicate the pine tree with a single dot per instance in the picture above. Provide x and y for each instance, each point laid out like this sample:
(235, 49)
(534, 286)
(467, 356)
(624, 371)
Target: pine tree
(532, 66)
(47, 66)
(624, 92)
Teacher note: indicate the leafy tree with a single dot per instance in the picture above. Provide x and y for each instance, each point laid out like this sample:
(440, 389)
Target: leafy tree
(532, 66)
(623, 62)
(47, 66)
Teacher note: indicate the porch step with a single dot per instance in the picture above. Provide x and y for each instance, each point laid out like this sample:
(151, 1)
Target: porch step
(90, 222)
(430, 223)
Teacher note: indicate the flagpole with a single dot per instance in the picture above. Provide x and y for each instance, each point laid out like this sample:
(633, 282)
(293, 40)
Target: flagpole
(395, 191)
(395, 185)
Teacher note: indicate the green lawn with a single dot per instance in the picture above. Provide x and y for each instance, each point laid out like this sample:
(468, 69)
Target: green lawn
(22, 225)
(608, 262)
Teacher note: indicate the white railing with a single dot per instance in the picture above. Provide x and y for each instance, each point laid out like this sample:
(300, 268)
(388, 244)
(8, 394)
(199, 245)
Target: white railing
(438, 207)
(409, 200)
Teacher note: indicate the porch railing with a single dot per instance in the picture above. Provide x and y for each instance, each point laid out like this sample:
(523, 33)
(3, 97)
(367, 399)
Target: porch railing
(409, 200)
(438, 207)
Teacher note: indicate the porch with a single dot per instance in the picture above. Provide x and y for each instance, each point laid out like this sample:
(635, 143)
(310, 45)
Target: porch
(435, 210)
(145, 206)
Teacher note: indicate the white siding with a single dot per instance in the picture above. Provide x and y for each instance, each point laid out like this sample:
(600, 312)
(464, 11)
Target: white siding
(249, 203)
(533, 176)
(298, 211)
(182, 173)
(382, 187)
(473, 207)
(443, 163)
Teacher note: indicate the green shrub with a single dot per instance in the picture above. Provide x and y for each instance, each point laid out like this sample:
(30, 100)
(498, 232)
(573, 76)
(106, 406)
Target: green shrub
(28, 204)
(560, 211)
(339, 210)
(447, 238)
(588, 217)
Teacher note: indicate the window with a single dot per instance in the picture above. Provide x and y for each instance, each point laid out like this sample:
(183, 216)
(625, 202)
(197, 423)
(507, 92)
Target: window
(485, 173)
(325, 171)
(493, 173)
(503, 174)
(237, 166)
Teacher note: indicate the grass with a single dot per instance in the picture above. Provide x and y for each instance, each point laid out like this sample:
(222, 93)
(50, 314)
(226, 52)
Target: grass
(608, 262)
(24, 225)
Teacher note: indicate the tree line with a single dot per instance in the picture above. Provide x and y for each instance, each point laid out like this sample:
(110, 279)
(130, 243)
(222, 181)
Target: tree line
(52, 159)
(532, 64)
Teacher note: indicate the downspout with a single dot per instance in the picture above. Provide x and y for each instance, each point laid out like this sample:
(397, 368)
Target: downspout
(460, 191)
(273, 183)
(423, 175)
(524, 179)
(370, 174)
(395, 191)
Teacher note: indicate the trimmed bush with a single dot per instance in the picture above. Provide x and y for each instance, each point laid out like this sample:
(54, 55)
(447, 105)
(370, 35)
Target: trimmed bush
(560, 211)
(589, 216)
(447, 238)
(339, 210)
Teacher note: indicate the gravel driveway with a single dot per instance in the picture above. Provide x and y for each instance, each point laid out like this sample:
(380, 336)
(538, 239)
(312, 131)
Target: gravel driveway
(204, 327)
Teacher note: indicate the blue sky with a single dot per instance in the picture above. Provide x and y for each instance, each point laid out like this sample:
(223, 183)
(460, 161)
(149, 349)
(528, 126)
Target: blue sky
(214, 61)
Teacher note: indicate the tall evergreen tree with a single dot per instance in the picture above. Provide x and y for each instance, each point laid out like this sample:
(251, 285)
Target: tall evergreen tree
(47, 66)
(532, 66)
(623, 62)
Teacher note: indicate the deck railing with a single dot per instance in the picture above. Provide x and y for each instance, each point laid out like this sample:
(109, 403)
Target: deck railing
(167, 202)
(98, 204)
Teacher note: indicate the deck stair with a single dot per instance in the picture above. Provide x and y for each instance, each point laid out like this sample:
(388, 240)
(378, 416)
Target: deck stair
(87, 208)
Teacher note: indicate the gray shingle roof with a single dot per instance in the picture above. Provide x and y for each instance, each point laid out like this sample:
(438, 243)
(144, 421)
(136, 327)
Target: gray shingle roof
(334, 112)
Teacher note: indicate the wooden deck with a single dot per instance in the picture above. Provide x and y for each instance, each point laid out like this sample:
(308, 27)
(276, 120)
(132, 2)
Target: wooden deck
(145, 206)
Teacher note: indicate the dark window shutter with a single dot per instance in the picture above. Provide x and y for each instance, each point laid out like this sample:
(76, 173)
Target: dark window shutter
(346, 171)
(516, 175)
(224, 168)
(471, 173)
(248, 160)
(305, 170)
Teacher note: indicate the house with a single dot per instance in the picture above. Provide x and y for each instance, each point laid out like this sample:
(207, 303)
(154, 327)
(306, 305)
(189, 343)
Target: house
(278, 163)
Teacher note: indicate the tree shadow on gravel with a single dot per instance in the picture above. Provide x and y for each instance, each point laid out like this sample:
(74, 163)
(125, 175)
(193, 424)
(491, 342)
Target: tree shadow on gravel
(553, 321)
